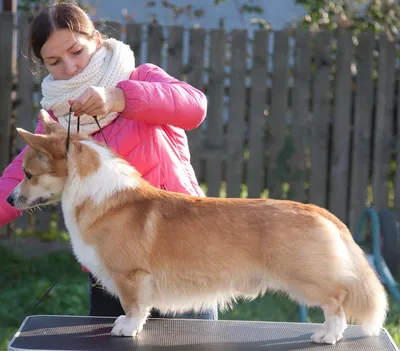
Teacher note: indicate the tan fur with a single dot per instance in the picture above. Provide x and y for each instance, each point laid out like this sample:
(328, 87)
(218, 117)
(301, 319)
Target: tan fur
(88, 163)
(157, 245)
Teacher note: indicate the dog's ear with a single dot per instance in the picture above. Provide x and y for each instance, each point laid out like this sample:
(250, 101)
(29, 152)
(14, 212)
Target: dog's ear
(29, 138)
(49, 124)
(48, 145)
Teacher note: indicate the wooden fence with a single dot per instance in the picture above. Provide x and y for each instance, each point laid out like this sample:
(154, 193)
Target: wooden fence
(313, 117)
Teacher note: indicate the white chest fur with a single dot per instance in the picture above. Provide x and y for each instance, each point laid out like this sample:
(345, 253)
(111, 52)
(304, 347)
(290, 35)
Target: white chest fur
(111, 177)
(84, 253)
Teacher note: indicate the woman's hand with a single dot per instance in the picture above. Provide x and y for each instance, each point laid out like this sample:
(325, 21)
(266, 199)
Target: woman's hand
(96, 101)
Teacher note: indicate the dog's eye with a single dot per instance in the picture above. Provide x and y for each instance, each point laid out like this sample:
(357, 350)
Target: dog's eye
(28, 175)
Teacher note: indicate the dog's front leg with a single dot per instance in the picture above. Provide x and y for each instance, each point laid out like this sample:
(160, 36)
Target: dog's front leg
(134, 291)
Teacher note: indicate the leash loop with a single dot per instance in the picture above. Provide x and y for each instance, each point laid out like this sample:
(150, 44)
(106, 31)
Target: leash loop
(77, 129)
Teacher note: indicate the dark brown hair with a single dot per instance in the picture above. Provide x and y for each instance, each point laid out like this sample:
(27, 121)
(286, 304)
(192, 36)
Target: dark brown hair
(60, 15)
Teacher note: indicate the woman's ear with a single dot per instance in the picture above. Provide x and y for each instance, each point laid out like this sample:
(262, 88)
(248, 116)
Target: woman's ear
(98, 38)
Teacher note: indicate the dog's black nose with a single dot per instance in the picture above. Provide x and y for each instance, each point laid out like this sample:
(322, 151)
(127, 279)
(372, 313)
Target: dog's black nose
(10, 200)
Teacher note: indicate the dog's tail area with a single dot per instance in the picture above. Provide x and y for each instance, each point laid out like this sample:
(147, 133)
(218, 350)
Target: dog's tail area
(366, 302)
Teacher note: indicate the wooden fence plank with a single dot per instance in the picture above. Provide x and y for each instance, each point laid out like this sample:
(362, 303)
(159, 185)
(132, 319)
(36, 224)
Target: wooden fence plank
(383, 139)
(397, 144)
(257, 118)
(237, 109)
(25, 110)
(154, 44)
(279, 112)
(134, 39)
(300, 115)
(195, 78)
(215, 123)
(361, 145)
(339, 167)
(175, 52)
(6, 45)
(6, 32)
(320, 121)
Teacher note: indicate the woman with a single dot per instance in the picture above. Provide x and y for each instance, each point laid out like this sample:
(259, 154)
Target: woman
(142, 111)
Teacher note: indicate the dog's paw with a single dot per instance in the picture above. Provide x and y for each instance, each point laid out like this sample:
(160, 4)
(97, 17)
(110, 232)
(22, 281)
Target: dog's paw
(125, 326)
(326, 336)
(332, 330)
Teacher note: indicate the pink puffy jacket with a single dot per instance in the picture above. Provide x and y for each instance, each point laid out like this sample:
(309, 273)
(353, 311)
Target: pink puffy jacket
(149, 134)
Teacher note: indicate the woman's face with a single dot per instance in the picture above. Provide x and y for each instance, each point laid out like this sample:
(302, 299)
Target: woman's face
(65, 53)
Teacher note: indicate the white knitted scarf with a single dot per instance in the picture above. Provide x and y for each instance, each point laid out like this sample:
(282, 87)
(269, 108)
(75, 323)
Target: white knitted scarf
(112, 63)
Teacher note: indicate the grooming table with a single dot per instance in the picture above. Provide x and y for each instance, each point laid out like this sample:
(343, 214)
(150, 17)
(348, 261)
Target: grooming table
(93, 334)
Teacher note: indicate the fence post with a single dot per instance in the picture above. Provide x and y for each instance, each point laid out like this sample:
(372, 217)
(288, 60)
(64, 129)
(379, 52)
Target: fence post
(6, 47)
(6, 30)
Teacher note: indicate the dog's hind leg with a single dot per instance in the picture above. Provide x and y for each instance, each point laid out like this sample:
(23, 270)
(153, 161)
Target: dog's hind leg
(134, 292)
(335, 321)
(330, 299)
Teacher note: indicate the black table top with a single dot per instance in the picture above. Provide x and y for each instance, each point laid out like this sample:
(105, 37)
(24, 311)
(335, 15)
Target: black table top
(93, 333)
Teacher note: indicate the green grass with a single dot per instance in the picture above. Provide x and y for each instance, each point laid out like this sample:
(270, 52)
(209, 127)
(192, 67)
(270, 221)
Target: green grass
(24, 281)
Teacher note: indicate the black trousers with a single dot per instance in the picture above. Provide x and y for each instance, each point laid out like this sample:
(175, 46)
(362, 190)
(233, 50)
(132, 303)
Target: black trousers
(102, 303)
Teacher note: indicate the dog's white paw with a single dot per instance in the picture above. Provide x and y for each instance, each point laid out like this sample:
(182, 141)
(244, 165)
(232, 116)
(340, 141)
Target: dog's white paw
(329, 334)
(325, 336)
(125, 326)
(333, 328)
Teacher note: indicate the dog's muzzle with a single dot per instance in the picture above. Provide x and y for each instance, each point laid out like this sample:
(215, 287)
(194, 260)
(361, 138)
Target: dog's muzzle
(16, 201)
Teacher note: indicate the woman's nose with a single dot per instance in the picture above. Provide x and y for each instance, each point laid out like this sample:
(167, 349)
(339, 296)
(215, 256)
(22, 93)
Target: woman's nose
(70, 68)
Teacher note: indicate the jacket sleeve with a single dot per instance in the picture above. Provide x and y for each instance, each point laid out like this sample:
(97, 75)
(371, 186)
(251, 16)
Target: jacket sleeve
(153, 96)
(12, 175)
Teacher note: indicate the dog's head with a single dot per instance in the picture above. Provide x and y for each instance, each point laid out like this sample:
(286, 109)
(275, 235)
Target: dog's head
(44, 165)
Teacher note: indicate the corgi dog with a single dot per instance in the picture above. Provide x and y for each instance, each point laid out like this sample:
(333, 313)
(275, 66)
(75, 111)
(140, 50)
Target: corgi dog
(153, 248)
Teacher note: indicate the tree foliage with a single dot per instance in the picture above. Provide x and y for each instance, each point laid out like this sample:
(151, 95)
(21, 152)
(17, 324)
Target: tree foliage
(32, 7)
(379, 16)
(191, 12)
